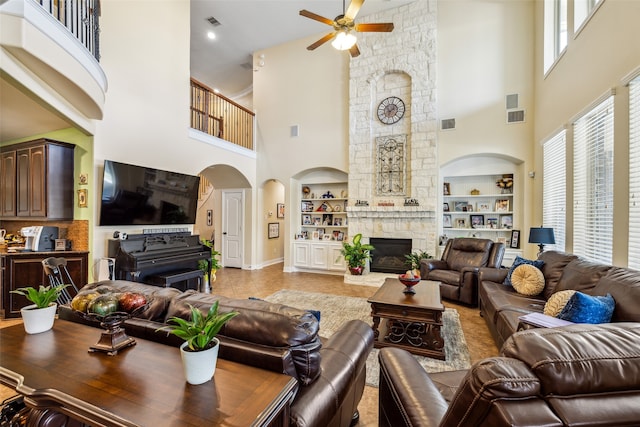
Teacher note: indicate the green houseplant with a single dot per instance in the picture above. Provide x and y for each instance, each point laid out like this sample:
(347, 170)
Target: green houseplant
(39, 316)
(413, 259)
(199, 351)
(356, 254)
(215, 265)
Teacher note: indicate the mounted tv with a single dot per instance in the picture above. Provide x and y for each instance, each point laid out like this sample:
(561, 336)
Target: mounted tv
(137, 195)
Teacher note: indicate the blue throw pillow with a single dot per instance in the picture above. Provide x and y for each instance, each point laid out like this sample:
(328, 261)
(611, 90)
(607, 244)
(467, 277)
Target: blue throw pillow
(583, 308)
(519, 261)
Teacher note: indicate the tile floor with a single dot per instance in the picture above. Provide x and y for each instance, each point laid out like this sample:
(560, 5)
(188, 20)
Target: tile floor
(260, 283)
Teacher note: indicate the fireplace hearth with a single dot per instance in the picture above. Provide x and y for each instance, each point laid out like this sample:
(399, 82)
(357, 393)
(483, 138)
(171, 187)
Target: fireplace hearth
(389, 255)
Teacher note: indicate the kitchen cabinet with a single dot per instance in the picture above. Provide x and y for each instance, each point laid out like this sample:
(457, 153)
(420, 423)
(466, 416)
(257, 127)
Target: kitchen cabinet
(37, 180)
(25, 269)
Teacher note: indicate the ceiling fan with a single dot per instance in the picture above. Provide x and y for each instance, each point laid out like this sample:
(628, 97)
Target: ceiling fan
(344, 26)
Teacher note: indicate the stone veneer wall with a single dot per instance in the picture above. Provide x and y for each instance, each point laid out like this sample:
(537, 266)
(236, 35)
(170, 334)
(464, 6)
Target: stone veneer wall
(403, 64)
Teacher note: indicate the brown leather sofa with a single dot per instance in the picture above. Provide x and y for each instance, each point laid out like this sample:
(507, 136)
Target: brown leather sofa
(457, 270)
(578, 375)
(271, 336)
(501, 305)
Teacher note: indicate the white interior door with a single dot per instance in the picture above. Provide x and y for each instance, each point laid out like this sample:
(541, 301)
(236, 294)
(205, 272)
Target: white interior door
(232, 220)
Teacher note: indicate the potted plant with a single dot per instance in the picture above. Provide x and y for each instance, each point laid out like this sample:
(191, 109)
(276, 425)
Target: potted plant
(215, 265)
(356, 254)
(413, 259)
(39, 316)
(199, 352)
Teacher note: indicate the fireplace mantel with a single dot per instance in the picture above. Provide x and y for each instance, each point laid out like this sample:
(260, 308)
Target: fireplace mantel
(390, 212)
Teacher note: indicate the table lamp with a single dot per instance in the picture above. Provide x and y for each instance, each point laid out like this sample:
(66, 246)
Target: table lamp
(541, 236)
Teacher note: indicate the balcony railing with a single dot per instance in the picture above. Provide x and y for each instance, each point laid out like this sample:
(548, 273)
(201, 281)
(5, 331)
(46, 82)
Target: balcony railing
(80, 17)
(219, 116)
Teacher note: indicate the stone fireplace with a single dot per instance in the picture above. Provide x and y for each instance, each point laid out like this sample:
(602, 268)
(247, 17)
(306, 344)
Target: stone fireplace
(393, 168)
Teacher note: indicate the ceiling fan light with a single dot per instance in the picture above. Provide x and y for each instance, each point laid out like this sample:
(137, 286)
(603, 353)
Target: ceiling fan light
(344, 40)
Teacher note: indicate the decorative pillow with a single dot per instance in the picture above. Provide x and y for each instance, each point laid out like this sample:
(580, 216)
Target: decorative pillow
(557, 301)
(583, 308)
(518, 261)
(527, 280)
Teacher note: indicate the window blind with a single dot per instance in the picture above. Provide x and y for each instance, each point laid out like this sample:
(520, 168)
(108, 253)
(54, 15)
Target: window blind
(593, 183)
(634, 173)
(554, 188)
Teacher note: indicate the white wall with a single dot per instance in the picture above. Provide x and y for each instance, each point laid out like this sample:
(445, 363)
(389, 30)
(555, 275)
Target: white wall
(595, 62)
(145, 55)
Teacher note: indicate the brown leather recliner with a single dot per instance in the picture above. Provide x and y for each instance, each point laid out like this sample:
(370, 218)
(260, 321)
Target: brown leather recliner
(457, 270)
(579, 375)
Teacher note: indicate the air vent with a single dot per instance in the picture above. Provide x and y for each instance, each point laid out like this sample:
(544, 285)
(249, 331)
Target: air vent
(512, 101)
(515, 116)
(213, 21)
(247, 66)
(448, 124)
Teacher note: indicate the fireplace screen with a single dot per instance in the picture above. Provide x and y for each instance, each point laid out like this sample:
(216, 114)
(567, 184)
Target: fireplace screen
(389, 255)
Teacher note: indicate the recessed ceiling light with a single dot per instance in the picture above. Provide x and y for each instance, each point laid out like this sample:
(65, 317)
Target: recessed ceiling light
(211, 35)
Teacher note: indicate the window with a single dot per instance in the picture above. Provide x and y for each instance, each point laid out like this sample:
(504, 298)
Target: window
(555, 31)
(634, 173)
(581, 11)
(593, 184)
(554, 188)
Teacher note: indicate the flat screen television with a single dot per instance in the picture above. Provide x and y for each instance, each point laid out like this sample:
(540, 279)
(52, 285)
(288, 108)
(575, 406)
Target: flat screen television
(137, 195)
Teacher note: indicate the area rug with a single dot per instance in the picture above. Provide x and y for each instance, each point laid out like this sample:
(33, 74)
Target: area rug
(335, 310)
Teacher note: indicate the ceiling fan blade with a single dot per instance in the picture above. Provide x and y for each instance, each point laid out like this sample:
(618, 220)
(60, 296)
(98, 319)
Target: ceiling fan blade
(322, 41)
(375, 28)
(354, 51)
(353, 9)
(316, 17)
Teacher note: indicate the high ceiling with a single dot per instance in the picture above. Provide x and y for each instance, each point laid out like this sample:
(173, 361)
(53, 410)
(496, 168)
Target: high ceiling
(225, 63)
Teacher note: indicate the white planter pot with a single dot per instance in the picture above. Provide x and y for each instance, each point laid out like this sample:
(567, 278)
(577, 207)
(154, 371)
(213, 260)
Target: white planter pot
(199, 366)
(38, 320)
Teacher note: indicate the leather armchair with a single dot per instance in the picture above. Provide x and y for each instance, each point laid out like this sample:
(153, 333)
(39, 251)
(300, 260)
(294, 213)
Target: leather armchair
(457, 270)
(586, 375)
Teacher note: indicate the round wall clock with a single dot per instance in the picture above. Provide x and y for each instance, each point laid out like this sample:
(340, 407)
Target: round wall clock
(390, 110)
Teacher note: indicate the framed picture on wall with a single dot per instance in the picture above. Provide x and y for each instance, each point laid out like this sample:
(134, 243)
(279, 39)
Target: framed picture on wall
(515, 239)
(280, 210)
(274, 230)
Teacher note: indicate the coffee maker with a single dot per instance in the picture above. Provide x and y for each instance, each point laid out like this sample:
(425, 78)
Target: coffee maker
(39, 238)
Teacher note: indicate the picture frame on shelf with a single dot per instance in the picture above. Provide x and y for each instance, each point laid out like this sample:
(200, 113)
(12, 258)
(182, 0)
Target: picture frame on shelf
(445, 207)
(299, 236)
(306, 220)
(305, 234)
(447, 189)
(326, 237)
(469, 208)
(477, 220)
(484, 207)
(446, 221)
(461, 223)
(514, 242)
(506, 221)
(317, 220)
(274, 230)
(460, 206)
(315, 235)
(327, 219)
(340, 237)
(307, 207)
(335, 234)
(502, 205)
(337, 222)
(320, 232)
(280, 210)
(491, 223)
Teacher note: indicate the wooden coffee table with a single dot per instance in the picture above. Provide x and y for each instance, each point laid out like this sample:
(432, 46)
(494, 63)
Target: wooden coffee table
(142, 385)
(409, 321)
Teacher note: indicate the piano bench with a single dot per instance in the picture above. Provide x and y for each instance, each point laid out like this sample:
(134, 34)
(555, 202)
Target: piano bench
(179, 279)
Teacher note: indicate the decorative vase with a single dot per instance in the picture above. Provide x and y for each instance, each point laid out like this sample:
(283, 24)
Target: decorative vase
(206, 285)
(38, 320)
(199, 366)
(356, 271)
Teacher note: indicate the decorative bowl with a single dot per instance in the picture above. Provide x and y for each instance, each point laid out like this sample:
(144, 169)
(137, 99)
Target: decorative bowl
(409, 283)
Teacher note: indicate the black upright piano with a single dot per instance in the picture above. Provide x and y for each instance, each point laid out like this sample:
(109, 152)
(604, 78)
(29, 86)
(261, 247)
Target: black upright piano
(161, 259)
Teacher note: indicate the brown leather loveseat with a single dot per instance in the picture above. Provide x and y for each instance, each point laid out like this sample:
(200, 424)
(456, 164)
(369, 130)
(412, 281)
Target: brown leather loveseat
(457, 270)
(578, 375)
(501, 306)
(331, 374)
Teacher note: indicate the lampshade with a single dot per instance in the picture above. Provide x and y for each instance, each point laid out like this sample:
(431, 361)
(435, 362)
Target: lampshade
(344, 40)
(542, 235)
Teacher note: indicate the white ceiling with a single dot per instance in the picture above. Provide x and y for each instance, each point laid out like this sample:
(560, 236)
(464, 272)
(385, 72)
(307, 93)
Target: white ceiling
(246, 26)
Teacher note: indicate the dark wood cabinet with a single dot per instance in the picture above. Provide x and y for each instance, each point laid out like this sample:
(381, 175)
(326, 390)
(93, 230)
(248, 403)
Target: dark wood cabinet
(8, 184)
(41, 186)
(20, 270)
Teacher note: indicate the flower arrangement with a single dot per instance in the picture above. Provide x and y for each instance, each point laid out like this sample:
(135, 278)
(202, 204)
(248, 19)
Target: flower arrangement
(505, 183)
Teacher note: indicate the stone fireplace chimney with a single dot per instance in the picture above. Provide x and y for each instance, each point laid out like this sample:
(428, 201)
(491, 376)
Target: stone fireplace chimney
(393, 168)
